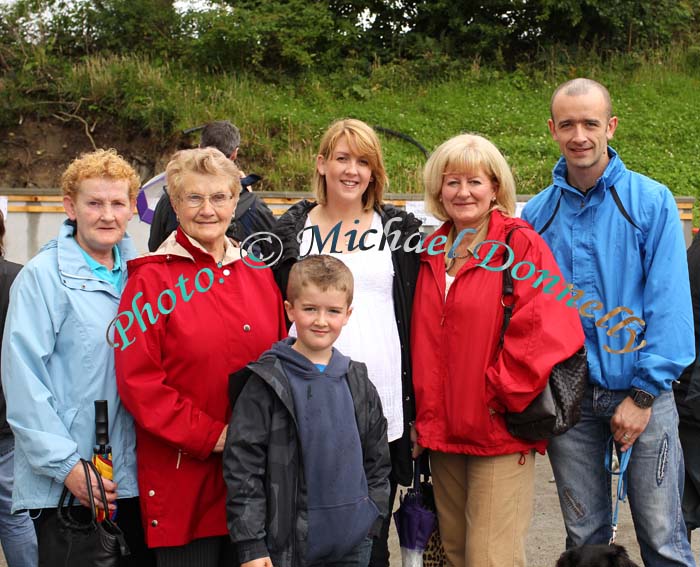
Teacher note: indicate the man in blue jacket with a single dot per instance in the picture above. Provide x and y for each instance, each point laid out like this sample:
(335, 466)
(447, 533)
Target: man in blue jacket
(617, 237)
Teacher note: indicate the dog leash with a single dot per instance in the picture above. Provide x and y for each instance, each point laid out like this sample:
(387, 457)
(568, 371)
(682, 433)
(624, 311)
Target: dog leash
(621, 483)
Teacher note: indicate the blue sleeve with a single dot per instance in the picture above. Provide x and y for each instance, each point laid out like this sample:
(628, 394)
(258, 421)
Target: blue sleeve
(668, 311)
(29, 341)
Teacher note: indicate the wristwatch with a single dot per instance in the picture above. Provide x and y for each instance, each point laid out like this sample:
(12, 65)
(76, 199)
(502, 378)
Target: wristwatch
(641, 399)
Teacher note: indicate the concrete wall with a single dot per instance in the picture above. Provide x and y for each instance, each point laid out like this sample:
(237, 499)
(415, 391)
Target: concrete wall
(28, 231)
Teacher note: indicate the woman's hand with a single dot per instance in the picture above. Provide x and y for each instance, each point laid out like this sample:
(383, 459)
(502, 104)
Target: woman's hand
(416, 449)
(77, 484)
(221, 441)
(263, 562)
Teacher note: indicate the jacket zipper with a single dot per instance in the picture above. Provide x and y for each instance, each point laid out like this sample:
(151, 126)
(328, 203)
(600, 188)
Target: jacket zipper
(179, 455)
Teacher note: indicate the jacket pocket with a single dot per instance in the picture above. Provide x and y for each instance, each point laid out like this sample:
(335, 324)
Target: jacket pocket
(467, 417)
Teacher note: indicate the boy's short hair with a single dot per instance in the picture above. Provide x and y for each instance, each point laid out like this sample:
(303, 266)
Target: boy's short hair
(324, 272)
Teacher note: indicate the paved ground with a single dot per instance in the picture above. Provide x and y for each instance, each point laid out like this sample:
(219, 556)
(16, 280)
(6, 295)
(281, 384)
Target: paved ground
(545, 541)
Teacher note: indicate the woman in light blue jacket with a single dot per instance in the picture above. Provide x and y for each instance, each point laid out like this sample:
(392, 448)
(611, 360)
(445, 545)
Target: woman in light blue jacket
(56, 360)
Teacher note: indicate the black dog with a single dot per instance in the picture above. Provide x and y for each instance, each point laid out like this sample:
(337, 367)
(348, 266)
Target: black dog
(596, 556)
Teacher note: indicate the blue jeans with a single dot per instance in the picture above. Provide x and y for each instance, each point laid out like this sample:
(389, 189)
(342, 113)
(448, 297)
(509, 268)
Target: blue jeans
(655, 480)
(358, 557)
(16, 530)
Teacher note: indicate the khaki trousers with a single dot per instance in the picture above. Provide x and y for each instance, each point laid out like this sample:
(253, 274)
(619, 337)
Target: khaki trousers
(484, 507)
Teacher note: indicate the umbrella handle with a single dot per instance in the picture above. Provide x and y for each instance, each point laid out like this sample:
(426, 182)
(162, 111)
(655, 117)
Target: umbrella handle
(416, 475)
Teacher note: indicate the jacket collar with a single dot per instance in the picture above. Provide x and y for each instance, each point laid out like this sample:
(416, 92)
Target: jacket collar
(498, 227)
(612, 174)
(71, 262)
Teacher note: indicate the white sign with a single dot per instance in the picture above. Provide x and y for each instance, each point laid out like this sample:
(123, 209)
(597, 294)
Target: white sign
(418, 210)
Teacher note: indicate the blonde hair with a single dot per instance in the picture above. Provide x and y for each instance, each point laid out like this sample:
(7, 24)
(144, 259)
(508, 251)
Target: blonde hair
(322, 271)
(468, 153)
(364, 142)
(105, 164)
(205, 161)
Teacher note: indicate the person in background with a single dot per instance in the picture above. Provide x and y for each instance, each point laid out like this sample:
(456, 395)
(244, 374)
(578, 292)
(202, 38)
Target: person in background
(349, 182)
(618, 239)
(252, 214)
(465, 377)
(17, 534)
(689, 407)
(56, 361)
(307, 439)
(205, 314)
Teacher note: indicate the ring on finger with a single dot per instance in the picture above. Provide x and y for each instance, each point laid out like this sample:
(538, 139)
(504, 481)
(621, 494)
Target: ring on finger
(625, 436)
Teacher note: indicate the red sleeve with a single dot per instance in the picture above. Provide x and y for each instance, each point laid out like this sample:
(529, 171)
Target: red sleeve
(156, 406)
(543, 331)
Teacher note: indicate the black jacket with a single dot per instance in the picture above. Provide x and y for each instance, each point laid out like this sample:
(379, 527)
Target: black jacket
(8, 273)
(689, 381)
(251, 215)
(263, 467)
(406, 266)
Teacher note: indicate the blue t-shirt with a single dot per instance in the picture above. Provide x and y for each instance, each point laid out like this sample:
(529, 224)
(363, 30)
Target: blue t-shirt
(113, 276)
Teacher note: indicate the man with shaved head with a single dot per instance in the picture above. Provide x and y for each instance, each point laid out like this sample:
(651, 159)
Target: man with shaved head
(616, 235)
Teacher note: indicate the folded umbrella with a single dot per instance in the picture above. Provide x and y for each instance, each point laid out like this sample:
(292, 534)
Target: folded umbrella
(102, 453)
(415, 523)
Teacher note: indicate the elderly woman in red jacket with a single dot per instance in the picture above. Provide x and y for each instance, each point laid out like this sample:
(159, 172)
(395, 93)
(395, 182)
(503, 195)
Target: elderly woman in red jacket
(191, 314)
(464, 381)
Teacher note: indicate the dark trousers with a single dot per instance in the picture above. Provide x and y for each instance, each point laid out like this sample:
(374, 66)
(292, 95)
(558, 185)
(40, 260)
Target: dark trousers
(689, 434)
(203, 552)
(358, 557)
(380, 548)
(128, 519)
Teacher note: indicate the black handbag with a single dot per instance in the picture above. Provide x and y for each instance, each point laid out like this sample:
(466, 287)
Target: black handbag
(558, 408)
(66, 541)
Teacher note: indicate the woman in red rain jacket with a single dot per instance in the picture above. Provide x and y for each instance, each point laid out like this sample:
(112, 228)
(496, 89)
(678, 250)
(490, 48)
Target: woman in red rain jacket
(483, 476)
(191, 314)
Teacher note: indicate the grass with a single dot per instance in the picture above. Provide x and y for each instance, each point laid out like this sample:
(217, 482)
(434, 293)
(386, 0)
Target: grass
(282, 123)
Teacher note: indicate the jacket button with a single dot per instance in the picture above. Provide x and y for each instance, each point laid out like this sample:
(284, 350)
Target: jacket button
(154, 523)
(246, 328)
(151, 492)
(408, 398)
(226, 272)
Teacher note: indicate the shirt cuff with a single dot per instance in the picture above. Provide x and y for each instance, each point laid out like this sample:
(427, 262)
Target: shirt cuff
(66, 467)
(650, 387)
(251, 549)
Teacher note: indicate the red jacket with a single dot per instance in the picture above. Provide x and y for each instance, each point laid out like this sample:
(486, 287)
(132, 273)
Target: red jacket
(173, 378)
(463, 383)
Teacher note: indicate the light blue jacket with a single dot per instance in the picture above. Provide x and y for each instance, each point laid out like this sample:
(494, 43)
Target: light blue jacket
(55, 363)
(643, 268)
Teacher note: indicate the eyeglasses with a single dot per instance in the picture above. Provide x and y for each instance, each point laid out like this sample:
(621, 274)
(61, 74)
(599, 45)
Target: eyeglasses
(217, 200)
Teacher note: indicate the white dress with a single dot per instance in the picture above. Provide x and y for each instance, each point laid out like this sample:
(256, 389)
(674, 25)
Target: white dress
(371, 335)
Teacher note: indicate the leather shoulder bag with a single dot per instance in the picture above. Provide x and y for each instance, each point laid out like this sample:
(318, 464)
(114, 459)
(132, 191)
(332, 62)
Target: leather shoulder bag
(558, 408)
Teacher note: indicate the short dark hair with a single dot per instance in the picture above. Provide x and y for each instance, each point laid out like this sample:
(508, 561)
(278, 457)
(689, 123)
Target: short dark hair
(2, 234)
(581, 86)
(221, 135)
(324, 272)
